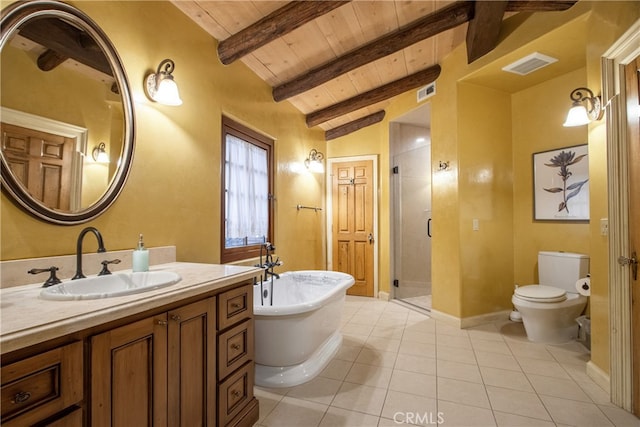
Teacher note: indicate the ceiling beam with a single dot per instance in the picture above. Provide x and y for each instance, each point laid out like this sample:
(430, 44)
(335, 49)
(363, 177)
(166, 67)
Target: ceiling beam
(273, 26)
(432, 24)
(483, 32)
(353, 126)
(379, 94)
(441, 20)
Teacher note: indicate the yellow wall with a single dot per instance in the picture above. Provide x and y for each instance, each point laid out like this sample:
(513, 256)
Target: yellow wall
(173, 192)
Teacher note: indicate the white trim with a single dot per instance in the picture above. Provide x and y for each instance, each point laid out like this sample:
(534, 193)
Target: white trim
(599, 376)
(482, 319)
(447, 318)
(329, 219)
(43, 124)
(621, 352)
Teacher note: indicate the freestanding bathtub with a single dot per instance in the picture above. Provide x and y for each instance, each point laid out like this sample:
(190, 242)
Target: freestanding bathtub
(297, 325)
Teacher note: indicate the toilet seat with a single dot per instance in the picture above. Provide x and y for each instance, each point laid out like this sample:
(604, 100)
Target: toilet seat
(541, 293)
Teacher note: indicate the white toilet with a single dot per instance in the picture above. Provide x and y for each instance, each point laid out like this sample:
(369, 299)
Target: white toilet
(549, 310)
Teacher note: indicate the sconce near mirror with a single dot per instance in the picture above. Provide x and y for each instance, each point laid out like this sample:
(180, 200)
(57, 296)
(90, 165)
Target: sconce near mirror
(585, 108)
(161, 87)
(99, 153)
(314, 161)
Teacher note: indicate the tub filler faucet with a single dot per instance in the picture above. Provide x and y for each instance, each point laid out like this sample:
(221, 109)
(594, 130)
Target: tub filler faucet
(267, 266)
(79, 274)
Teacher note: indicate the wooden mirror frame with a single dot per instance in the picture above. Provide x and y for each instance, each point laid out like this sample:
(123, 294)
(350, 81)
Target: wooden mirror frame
(12, 18)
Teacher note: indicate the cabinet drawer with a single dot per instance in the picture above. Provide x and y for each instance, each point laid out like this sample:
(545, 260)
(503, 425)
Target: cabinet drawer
(42, 385)
(234, 306)
(235, 393)
(235, 348)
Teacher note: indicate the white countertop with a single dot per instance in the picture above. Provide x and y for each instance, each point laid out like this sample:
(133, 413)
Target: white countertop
(26, 319)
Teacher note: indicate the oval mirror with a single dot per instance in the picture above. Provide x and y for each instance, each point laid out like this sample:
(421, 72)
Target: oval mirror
(66, 113)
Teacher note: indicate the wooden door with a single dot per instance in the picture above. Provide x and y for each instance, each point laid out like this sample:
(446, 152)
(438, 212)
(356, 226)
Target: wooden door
(352, 234)
(192, 365)
(129, 375)
(632, 77)
(41, 162)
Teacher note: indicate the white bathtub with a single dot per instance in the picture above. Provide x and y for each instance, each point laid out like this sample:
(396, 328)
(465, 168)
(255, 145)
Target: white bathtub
(299, 334)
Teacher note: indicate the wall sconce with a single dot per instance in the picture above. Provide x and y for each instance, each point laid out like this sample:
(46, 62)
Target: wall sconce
(161, 87)
(314, 161)
(99, 153)
(585, 108)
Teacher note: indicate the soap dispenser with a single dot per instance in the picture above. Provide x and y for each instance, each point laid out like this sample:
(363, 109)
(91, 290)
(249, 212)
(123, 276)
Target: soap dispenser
(140, 257)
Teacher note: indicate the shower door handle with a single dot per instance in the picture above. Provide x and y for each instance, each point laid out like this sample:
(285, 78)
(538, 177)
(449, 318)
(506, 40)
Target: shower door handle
(429, 227)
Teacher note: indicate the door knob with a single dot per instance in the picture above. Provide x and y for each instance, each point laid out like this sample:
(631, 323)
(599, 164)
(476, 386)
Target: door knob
(370, 238)
(633, 262)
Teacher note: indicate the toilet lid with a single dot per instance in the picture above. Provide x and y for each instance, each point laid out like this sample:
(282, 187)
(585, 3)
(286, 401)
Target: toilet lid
(541, 293)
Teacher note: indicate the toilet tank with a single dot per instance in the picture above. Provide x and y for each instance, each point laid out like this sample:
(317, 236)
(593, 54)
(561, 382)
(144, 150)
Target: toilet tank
(562, 269)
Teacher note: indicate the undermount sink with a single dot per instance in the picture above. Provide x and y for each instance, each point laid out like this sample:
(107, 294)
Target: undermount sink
(113, 285)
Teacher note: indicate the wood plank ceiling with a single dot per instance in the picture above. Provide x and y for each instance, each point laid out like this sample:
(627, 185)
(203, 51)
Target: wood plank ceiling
(339, 62)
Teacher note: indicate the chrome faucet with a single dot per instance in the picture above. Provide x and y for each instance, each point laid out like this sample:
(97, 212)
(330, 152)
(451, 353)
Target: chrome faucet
(101, 248)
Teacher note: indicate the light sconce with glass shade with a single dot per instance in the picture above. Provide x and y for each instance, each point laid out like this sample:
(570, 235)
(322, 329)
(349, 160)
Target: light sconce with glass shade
(314, 161)
(586, 108)
(161, 87)
(99, 153)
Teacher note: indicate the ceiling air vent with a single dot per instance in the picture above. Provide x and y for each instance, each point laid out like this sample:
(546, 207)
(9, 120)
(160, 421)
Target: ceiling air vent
(426, 92)
(529, 64)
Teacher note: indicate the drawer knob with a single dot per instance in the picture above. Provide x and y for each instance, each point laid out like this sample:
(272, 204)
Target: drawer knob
(161, 322)
(236, 393)
(235, 346)
(21, 397)
(175, 317)
(236, 305)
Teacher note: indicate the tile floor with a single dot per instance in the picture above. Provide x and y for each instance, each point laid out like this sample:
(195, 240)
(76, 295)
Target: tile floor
(400, 367)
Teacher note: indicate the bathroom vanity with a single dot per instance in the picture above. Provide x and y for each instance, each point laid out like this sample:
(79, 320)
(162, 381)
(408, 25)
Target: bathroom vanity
(176, 356)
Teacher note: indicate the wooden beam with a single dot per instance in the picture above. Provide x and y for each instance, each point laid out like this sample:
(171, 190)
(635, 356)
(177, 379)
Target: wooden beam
(272, 26)
(353, 126)
(379, 94)
(539, 5)
(50, 59)
(441, 20)
(67, 41)
(484, 29)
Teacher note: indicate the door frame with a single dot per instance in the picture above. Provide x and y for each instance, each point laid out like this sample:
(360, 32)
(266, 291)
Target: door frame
(613, 61)
(329, 212)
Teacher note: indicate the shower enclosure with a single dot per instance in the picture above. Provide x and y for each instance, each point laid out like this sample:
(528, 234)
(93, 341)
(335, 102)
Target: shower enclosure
(412, 227)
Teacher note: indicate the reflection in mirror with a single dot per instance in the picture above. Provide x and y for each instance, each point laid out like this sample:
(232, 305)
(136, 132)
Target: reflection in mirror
(63, 93)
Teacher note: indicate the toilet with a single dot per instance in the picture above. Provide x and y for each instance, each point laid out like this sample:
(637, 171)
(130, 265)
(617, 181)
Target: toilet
(549, 310)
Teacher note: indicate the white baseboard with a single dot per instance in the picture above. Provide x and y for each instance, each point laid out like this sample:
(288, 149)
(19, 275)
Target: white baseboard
(598, 375)
(446, 318)
(384, 296)
(470, 322)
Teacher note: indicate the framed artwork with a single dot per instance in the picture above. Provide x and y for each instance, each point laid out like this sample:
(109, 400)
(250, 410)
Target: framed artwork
(561, 184)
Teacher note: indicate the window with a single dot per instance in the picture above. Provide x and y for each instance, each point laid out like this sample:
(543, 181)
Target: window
(247, 188)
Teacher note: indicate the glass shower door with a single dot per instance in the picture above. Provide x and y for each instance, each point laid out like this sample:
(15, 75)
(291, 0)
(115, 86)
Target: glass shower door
(412, 227)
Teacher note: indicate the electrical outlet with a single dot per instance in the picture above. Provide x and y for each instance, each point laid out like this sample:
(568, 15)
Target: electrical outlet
(604, 226)
(475, 224)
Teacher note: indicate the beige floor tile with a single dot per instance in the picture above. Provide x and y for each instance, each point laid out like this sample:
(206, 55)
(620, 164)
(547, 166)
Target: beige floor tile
(458, 371)
(597, 394)
(462, 392)
(490, 346)
(374, 376)
(497, 360)
(360, 398)
(387, 422)
(408, 408)
(504, 378)
(511, 420)
(352, 328)
(419, 336)
(530, 350)
(619, 416)
(459, 415)
(366, 318)
(348, 351)
(383, 344)
(417, 349)
(320, 390)
(337, 417)
(295, 413)
(566, 389)
(336, 369)
(457, 341)
(390, 332)
(577, 372)
(517, 402)
(370, 356)
(267, 400)
(571, 412)
(542, 367)
(421, 325)
(413, 383)
(419, 364)
(445, 329)
(487, 332)
(455, 354)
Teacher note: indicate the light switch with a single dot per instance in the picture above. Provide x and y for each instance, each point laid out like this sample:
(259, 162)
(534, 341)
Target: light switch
(476, 224)
(604, 226)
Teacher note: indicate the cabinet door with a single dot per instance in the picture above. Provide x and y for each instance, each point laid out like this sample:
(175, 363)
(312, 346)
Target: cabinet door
(192, 365)
(129, 375)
